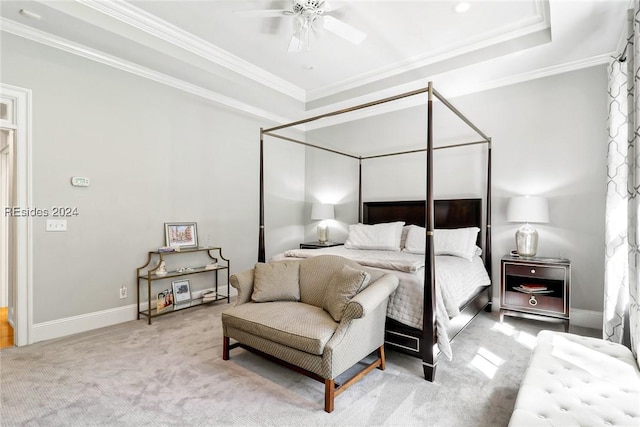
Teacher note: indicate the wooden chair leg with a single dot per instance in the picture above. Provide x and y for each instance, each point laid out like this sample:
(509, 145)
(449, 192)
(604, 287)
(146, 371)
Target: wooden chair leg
(225, 348)
(329, 394)
(381, 357)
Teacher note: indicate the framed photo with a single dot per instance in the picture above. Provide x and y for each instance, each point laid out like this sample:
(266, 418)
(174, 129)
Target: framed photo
(181, 291)
(181, 234)
(164, 300)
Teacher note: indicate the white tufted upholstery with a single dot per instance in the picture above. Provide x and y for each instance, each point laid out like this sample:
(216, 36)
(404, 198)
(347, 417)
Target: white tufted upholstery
(578, 381)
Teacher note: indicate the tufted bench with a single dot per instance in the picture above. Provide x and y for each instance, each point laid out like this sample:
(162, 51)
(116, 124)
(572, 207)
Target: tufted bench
(578, 381)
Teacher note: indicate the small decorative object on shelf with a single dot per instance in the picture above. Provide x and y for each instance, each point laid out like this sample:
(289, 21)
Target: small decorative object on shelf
(181, 290)
(166, 249)
(209, 296)
(533, 288)
(161, 269)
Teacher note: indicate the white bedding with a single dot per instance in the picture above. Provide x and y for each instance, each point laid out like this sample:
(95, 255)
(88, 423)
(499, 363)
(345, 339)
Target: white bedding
(457, 279)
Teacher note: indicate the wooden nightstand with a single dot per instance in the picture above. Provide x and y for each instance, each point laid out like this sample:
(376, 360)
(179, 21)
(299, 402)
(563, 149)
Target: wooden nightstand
(318, 245)
(536, 288)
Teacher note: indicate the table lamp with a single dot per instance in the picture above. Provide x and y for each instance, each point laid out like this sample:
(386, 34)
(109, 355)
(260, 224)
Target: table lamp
(527, 209)
(322, 211)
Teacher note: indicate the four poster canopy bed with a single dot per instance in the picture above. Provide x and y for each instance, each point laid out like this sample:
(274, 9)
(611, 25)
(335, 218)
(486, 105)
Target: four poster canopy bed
(437, 247)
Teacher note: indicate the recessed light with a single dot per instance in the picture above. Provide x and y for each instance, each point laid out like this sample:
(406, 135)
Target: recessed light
(462, 7)
(28, 14)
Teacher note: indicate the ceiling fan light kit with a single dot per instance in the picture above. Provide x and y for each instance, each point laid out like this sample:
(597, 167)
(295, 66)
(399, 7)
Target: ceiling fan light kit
(310, 18)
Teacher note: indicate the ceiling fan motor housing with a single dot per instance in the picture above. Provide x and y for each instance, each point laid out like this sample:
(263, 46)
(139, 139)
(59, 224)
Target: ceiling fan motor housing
(308, 7)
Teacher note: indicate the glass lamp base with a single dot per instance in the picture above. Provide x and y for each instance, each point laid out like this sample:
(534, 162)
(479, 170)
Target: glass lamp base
(527, 241)
(323, 233)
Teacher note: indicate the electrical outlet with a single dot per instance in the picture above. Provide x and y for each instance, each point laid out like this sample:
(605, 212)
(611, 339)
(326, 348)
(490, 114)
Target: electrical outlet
(123, 292)
(56, 225)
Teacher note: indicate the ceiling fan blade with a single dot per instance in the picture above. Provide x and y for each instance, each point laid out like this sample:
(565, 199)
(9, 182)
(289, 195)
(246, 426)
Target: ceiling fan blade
(343, 30)
(329, 7)
(271, 13)
(295, 44)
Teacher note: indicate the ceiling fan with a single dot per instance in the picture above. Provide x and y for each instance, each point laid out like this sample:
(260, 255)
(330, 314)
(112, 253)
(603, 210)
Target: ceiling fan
(310, 17)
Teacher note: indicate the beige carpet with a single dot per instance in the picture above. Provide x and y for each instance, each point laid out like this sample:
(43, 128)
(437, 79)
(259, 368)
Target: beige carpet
(172, 373)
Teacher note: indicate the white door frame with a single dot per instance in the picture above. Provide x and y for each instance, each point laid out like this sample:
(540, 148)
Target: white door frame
(23, 292)
(6, 167)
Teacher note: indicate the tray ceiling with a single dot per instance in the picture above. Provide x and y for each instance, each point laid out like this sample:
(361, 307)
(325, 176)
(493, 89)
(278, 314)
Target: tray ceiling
(213, 46)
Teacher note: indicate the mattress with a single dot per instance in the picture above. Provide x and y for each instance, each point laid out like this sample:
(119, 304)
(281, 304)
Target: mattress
(457, 280)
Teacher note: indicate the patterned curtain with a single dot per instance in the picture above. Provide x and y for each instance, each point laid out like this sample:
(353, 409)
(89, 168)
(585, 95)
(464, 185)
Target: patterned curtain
(622, 279)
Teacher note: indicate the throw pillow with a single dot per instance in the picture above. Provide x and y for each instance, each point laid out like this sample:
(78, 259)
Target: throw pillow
(276, 281)
(382, 237)
(343, 286)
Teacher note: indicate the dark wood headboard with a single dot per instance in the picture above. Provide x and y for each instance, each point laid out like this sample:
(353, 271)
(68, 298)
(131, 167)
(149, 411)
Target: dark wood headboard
(450, 213)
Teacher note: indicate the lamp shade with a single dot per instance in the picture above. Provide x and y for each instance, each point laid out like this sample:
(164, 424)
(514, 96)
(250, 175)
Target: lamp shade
(322, 211)
(528, 209)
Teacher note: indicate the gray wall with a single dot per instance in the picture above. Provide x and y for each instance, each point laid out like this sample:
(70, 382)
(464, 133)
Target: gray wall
(153, 154)
(549, 138)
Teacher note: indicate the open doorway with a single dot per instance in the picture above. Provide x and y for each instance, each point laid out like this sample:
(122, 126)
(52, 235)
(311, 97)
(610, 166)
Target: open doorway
(6, 227)
(15, 230)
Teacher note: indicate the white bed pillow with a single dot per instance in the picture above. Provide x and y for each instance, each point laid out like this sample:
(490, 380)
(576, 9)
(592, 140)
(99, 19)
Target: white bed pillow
(403, 236)
(460, 242)
(415, 240)
(382, 237)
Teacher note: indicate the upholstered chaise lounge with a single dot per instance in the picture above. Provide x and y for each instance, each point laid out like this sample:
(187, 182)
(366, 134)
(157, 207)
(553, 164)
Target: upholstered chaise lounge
(319, 316)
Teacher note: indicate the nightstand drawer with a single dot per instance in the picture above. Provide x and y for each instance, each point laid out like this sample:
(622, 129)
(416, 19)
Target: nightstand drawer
(534, 303)
(535, 271)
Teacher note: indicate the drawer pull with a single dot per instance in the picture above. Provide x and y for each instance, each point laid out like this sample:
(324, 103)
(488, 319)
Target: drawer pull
(533, 301)
(533, 271)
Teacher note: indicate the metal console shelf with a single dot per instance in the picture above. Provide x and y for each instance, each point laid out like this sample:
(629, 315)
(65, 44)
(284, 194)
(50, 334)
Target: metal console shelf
(149, 276)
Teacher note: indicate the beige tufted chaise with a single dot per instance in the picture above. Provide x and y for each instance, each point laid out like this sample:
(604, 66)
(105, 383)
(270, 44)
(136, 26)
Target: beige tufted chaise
(311, 324)
(578, 381)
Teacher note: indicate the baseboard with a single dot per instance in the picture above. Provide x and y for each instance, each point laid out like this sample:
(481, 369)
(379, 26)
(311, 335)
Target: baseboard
(90, 321)
(82, 323)
(578, 316)
(586, 318)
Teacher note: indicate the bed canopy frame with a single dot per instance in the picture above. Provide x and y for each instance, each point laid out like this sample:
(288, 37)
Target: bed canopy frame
(428, 352)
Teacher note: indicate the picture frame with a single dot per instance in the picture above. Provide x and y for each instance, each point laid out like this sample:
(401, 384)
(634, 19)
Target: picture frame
(164, 300)
(181, 291)
(182, 235)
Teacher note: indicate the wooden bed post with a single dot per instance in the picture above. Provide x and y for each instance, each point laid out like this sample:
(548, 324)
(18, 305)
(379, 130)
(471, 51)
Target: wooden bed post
(487, 244)
(261, 255)
(429, 357)
(360, 189)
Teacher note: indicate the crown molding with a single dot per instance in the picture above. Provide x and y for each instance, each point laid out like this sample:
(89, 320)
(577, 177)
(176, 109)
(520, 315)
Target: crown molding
(545, 72)
(416, 101)
(68, 46)
(540, 22)
(163, 30)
